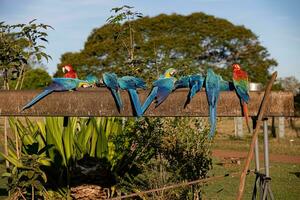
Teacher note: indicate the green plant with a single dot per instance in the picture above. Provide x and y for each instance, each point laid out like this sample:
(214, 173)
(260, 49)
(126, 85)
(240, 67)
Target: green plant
(18, 44)
(126, 15)
(172, 150)
(26, 179)
(60, 149)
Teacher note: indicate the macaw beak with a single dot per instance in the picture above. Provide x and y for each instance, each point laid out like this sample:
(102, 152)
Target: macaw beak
(173, 72)
(64, 70)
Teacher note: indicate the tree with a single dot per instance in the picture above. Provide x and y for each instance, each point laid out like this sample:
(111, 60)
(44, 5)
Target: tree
(290, 83)
(36, 79)
(184, 42)
(20, 43)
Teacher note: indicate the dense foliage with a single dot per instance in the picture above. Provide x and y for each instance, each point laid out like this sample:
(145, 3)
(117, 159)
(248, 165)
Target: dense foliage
(190, 43)
(113, 153)
(19, 44)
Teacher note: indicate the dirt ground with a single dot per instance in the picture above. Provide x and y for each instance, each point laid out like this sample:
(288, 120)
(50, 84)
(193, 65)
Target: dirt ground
(223, 154)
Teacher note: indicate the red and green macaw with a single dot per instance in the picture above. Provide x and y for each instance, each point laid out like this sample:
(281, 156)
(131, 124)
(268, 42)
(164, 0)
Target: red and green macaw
(69, 72)
(241, 85)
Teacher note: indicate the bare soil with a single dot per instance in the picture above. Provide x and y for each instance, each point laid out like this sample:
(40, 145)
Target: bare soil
(240, 154)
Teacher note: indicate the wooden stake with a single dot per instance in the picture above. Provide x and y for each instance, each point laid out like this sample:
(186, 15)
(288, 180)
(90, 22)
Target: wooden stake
(261, 112)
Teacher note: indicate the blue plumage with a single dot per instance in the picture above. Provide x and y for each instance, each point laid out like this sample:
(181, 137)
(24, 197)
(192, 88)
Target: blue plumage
(111, 82)
(161, 89)
(212, 84)
(57, 85)
(131, 84)
(194, 82)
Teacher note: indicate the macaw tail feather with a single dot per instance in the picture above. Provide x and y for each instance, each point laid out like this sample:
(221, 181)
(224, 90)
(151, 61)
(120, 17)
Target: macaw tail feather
(149, 99)
(117, 96)
(37, 98)
(213, 119)
(188, 99)
(246, 114)
(136, 102)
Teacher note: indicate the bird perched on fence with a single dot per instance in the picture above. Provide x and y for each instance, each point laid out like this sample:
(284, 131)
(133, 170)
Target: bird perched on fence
(194, 82)
(161, 89)
(111, 82)
(69, 72)
(57, 85)
(131, 84)
(212, 88)
(93, 80)
(226, 85)
(241, 85)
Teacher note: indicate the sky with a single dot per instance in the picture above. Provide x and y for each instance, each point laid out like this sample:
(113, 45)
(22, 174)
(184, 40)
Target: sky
(275, 22)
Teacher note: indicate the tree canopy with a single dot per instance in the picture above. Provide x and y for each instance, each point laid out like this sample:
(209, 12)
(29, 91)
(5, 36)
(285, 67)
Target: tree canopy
(36, 79)
(189, 43)
(19, 44)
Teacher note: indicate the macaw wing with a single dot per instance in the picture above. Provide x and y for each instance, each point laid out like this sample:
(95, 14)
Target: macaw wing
(91, 79)
(212, 92)
(165, 87)
(61, 84)
(196, 83)
(183, 82)
(131, 82)
(242, 88)
(111, 80)
(224, 85)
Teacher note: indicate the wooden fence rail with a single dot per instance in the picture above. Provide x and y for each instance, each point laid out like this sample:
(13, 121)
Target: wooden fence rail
(99, 102)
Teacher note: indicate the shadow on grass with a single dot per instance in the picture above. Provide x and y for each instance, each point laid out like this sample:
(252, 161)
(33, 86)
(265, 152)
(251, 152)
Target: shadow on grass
(297, 174)
(3, 192)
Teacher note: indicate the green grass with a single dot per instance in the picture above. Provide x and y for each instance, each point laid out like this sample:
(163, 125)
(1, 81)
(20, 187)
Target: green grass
(285, 182)
(282, 146)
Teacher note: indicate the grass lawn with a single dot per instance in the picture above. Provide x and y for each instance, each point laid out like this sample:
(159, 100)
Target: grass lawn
(282, 146)
(285, 182)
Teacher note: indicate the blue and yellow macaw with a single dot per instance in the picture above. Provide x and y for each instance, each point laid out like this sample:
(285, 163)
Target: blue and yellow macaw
(194, 82)
(131, 84)
(161, 89)
(212, 88)
(111, 82)
(57, 85)
(92, 80)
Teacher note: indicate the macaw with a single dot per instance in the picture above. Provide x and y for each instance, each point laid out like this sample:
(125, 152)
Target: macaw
(69, 72)
(93, 80)
(241, 85)
(131, 84)
(212, 84)
(226, 85)
(111, 82)
(161, 89)
(57, 85)
(194, 82)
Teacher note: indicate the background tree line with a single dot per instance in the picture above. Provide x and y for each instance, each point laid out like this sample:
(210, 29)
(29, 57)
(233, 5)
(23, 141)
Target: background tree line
(189, 43)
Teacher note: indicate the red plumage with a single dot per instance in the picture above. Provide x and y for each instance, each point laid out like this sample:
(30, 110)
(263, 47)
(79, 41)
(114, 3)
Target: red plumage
(70, 72)
(240, 77)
